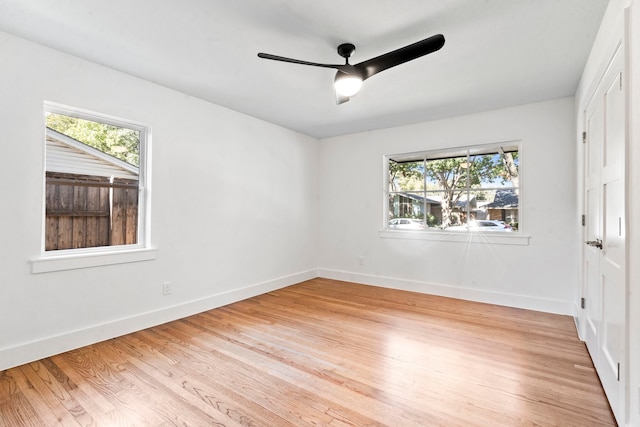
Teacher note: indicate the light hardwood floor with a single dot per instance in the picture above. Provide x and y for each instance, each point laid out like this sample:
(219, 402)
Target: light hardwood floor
(322, 352)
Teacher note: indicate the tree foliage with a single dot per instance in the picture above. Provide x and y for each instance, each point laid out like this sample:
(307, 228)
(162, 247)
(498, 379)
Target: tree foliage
(117, 141)
(405, 176)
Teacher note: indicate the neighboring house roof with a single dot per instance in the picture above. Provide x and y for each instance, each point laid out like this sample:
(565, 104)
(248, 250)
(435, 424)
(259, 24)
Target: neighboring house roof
(68, 155)
(437, 200)
(418, 198)
(465, 201)
(504, 199)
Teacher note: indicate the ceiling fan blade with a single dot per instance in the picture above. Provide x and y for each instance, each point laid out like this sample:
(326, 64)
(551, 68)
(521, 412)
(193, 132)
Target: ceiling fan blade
(399, 56)
(341, 99)
(297, 61)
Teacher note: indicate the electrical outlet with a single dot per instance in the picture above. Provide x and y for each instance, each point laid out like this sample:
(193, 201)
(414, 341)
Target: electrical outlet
(361, 260)
(166, 288)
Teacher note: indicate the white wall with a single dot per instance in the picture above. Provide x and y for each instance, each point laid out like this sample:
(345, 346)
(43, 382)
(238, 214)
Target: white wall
(541, 276)
(232, 203)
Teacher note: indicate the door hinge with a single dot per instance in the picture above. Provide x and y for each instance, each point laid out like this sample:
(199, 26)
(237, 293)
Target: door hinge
(584, 220)
(584, 137)
(619, 226)
(620, 80)
(583, 303)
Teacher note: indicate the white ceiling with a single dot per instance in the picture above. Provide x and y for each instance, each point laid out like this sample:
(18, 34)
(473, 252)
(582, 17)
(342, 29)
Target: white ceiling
(498, 53)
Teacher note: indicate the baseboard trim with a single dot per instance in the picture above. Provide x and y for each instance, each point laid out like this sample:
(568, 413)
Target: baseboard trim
(498, 298)
(49, 346)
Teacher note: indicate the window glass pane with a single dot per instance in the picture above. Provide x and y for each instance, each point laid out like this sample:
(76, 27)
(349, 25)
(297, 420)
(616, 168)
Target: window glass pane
(406, 205)
(449, 207)
(406, 176)
(503, 205)
(116, 141)
(92, 183)
(446, 174)
(433, 209)
(493, 170)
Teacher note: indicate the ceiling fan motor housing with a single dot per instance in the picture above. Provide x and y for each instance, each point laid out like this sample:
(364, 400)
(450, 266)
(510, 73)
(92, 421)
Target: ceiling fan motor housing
(346, 50)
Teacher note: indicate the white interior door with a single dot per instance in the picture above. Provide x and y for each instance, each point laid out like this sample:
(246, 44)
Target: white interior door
(592, 231)
(604, 234)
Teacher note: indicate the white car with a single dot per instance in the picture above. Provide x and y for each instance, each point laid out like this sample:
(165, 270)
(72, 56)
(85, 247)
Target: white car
(484, 225)
(406, 224)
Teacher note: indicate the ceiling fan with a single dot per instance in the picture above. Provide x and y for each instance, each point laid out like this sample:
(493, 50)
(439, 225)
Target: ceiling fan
(349, 78)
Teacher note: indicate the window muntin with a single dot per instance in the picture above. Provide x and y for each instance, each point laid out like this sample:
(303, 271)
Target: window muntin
(95, 182)
(456, 189)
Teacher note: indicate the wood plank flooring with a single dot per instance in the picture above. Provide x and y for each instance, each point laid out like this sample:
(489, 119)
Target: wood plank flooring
(322, 353)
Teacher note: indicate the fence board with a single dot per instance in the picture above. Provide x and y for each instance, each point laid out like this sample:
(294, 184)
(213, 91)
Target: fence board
(51, 235)
(131, 217)
(118, 218)
(88, 211)
(65, 229)
(78, 232)
(103, 237)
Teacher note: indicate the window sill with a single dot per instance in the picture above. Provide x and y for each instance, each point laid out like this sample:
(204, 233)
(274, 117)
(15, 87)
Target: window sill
(459, 236)
(60, 262)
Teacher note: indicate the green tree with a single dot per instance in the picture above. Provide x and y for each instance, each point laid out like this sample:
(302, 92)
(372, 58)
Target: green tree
(117, 141)
(451, 176)
(511, 170)
(405, 175)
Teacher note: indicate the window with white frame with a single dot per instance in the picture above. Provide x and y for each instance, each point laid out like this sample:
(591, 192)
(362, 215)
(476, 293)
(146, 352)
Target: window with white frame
(95, 182)
(472, 188)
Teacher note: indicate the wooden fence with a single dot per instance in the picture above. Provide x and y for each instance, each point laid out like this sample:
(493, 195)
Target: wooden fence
(85, 211)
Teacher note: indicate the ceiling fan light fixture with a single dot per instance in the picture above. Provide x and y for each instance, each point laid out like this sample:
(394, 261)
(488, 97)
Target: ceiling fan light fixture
(349, 78)
(347, 84)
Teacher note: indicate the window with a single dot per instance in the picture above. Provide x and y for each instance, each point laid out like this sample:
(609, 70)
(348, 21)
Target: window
(465, 189)
(95, 182)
